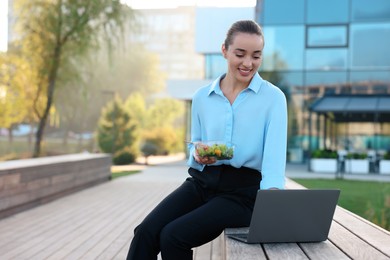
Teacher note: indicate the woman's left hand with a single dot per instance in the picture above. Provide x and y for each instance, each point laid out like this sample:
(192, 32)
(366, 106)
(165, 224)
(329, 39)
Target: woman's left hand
(203, 160)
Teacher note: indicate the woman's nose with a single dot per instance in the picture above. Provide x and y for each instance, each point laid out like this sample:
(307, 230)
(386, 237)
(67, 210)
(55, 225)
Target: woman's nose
(247, 62)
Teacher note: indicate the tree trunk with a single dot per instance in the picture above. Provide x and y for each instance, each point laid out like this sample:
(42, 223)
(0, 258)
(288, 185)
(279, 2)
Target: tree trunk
(50, 93)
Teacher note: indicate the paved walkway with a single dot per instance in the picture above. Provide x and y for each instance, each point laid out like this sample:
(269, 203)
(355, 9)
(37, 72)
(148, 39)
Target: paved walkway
(168, 168)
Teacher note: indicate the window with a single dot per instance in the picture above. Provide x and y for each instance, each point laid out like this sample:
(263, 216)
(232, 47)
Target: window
(373, 10)
(327, 78)
(327, 11)
(373, 77)
(284, 46)
(370, 46)
(283, 12)
(326, 59)
(327, 36)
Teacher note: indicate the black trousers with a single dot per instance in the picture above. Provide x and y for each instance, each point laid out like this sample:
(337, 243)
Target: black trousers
(196, 212)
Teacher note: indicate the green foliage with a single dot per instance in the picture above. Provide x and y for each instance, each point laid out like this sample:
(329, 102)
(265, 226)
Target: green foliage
(55, 32)
(14, 81)
(327, 154)
(149, 148)
(356, 156)
(386, 156)
(165, 112)
(117, 133)
(161, 123)
(164, 138)
(368, 199)
(123, 157)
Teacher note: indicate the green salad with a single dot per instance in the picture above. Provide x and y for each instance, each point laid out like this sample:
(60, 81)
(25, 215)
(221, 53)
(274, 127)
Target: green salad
(218, 151)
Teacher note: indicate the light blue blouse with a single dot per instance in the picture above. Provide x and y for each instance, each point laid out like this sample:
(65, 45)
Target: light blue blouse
(256, 123)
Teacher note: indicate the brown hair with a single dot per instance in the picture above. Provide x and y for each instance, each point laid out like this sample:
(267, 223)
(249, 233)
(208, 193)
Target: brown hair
(243, 26)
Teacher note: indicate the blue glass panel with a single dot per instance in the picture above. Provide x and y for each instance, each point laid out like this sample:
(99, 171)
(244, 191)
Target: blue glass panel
(284, 46)
(326, 59)
(373, 10)
(283, 11)
(215, 65)
(326, 78)
(327, 36)
(327, 11)
(370, 46)
(372, 77)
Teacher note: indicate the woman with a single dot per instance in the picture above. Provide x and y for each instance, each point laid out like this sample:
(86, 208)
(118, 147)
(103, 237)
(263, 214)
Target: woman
(238, 107)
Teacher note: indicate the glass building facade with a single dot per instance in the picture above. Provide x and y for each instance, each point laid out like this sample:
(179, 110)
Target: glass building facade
(315, 48)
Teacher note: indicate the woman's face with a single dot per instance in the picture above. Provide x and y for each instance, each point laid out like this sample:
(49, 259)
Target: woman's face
(244, 56)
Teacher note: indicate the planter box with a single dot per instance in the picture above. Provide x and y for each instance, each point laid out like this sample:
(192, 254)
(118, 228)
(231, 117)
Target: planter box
(31, 182)
(360, 166)
(323, 165)
(384, 167)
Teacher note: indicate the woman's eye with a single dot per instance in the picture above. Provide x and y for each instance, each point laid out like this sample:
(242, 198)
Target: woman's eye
(239, 55)
(256, 58)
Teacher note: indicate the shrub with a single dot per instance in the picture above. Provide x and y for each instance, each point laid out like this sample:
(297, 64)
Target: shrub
(123, 157)
(356, 156)
(325, 153)
(148, 149)
(118, 133)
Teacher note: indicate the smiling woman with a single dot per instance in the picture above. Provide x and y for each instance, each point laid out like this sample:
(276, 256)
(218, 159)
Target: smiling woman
(3, 25)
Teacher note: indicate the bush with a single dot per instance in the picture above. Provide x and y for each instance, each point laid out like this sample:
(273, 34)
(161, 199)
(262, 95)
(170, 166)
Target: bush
(356, 156)
(326, 154)
(386, 156)
(123, 157)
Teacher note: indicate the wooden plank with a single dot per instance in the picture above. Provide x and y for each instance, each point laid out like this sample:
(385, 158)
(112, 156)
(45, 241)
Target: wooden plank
(95, 226)
(352, 245)
(216, 250)
(83, 246)
(130, 217)
(236, 251)
(373, 235)
(24, 240)
(322, 250)
(60, 232)
(284, 251)
(203, 252)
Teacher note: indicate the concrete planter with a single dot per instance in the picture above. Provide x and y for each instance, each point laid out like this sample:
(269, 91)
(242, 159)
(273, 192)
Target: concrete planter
(323, 165)
(360, 166)
(384, 167)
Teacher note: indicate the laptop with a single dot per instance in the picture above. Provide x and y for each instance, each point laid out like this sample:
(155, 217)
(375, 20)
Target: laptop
(282, 216)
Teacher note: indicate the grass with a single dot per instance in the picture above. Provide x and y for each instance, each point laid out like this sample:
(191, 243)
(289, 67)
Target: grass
(368, 199)
(115, 175)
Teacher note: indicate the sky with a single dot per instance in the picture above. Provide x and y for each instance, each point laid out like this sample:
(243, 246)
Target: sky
(136, 4)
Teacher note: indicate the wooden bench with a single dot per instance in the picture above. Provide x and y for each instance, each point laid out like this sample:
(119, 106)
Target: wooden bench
(350, 237)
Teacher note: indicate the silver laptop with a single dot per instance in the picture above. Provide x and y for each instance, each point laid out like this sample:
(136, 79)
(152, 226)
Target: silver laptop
(290, 216)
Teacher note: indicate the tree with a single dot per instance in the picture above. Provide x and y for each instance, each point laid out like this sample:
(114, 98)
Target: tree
(54, 31)
(117, 132)
(164, 125)
(80, 98)
(14, 80)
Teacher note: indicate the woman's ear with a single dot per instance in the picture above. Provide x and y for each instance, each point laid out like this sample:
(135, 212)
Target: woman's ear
(224, 51)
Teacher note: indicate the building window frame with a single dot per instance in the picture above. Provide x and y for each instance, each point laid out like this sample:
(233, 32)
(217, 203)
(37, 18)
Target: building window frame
(325, 26)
